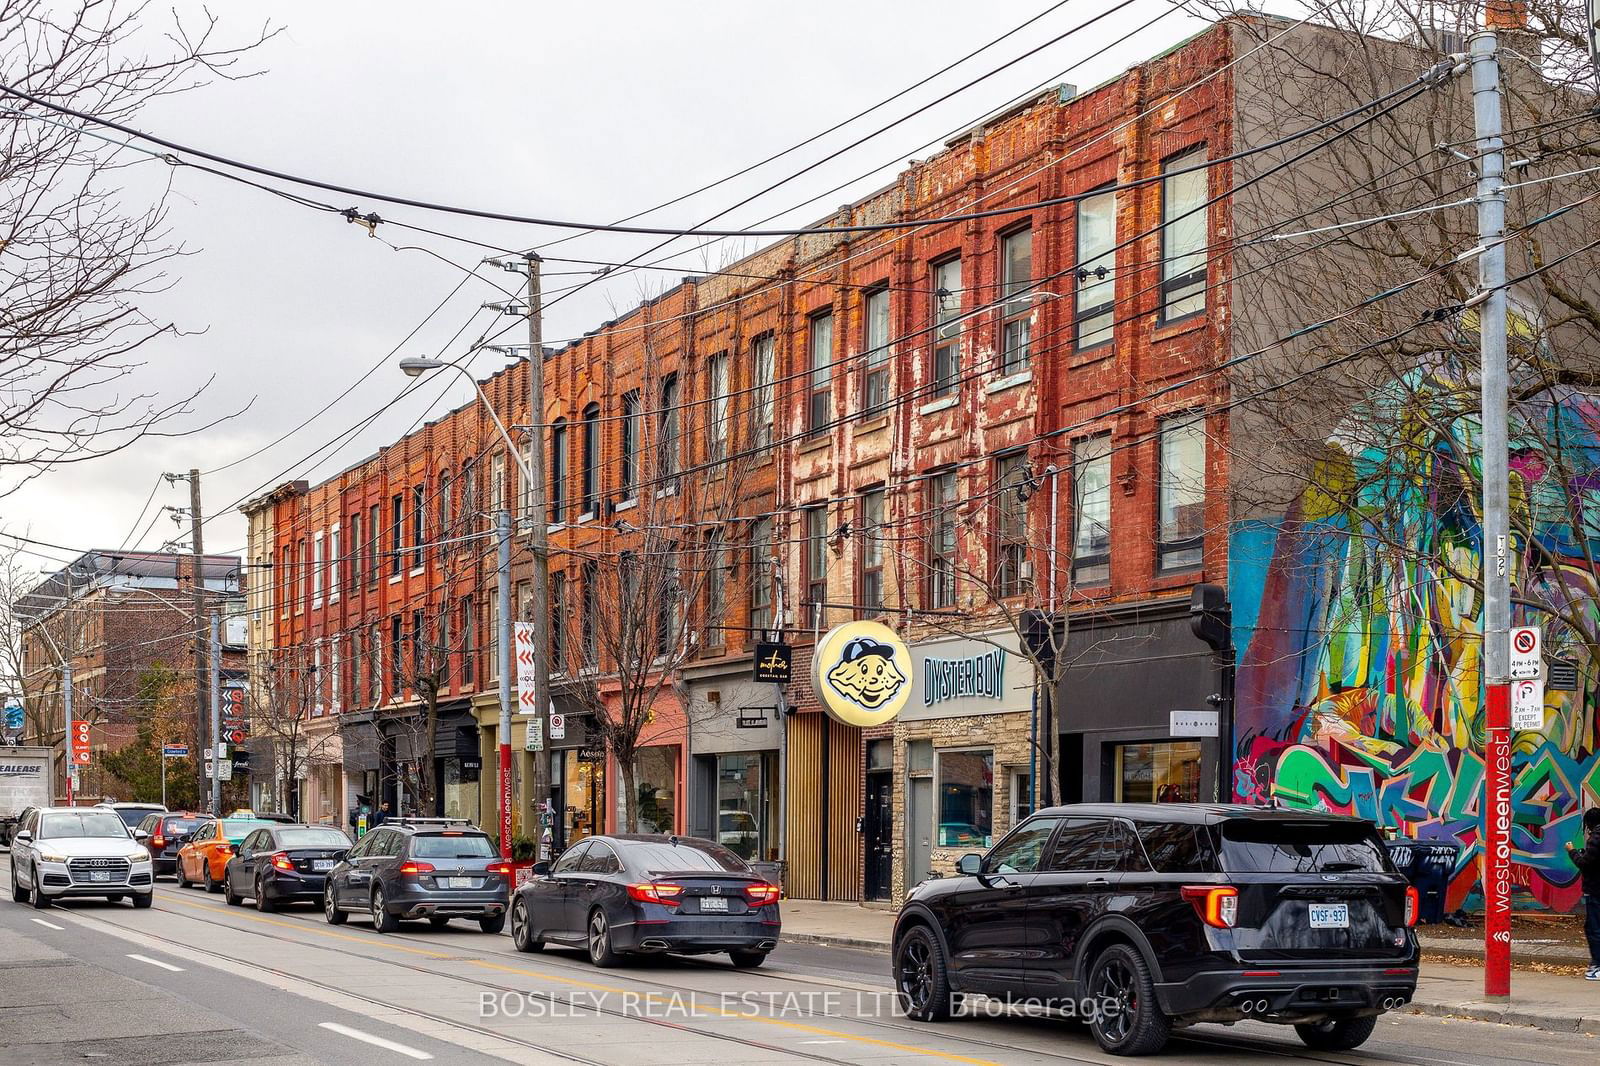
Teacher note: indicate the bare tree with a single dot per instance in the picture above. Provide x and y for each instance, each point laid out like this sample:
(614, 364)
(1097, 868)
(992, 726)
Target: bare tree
(78, 252)
(283, 700)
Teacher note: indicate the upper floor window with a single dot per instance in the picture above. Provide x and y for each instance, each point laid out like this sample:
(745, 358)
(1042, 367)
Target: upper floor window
(1182, 491)
(819, 389)
(632, 412)
(525, 497)
(334, 563)
(816, 533)
(444, 504)
(557, 510)
(316, 570)
(590, 505)
(875, 343)
(374, 542)
(761, 575)
(1183, 235)
(869, 553)
(941, 539)
(1095, 315)
(558, 619)
(1012, 573)
(717, 411)
(353, 549)
(1091, 510)
(1016, 288)
(667, 434)
(419, 503)
(763, 370)
(397, 529)
(716, 590)
(946, 325)
(497, 482)
(591, 614)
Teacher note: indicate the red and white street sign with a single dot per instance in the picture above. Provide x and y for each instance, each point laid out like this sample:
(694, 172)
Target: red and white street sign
(80, 742)
(522, 651)
(1527, 705)
(1527, 661)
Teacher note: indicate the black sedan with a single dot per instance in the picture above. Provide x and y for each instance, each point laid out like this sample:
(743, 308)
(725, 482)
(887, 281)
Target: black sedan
(638, 894)
(283, 864)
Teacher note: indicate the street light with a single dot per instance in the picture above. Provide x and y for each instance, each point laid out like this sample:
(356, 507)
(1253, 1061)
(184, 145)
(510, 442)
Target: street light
(415, 366)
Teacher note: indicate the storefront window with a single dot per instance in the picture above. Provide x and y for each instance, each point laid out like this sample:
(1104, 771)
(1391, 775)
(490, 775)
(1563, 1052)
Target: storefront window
(745, 800)
(584, 795)
(966, 799)
(1165, 772)
(657, 784)
(458, 785)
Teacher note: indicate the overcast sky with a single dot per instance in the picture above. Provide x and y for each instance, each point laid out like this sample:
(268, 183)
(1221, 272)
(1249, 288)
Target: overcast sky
(582, 111)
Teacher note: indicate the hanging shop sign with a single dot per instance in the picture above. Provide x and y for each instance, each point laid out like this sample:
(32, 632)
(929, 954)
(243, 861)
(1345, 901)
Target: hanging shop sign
(774, 662)
(862, 673)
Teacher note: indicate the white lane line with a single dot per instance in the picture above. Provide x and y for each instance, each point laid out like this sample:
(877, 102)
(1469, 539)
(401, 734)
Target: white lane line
(155, 962)
(376, 1041)
(50, 925)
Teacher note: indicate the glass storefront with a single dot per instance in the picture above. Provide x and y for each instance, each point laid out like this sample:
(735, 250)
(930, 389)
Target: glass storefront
(458, 787)
(1162, 772)
(583, 784)
(746, 802)
(656, 780)
(966, 799)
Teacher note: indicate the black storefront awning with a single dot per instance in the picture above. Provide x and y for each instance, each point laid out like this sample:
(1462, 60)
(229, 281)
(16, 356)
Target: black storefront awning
(360, 741)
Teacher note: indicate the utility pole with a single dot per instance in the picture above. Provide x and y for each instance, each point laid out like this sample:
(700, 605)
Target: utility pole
(1496, 806)
(66, 703)
(539, 548)
(216, 714)
(197, 590)
(502, 529)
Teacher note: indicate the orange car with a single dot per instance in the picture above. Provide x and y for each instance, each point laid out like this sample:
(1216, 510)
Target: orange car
(204, 856)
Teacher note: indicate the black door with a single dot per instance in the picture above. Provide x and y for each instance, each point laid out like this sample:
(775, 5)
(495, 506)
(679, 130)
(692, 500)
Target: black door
(879, 834)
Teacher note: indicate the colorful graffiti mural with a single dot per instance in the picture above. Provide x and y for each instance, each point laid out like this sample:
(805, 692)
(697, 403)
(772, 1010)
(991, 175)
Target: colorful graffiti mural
(1359, 627)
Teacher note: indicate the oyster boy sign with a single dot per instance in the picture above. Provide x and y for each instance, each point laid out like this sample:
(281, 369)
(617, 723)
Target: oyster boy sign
(861, 673)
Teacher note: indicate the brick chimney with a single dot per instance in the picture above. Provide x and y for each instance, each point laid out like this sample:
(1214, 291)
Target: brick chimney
(1505, 15)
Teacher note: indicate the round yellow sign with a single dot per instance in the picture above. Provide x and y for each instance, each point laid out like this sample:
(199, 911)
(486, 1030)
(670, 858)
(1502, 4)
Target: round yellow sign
(862, 673)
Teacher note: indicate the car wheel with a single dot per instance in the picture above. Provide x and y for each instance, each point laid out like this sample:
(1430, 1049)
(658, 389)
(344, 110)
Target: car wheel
(922, 976)
(179, 876)
(330, 909)
(493, 925)
(18, 893)
(382, 920)
(438, 921)
(747, 960)
(263, 904)
(600, 950)
(229, 896)
(1337, 1034)
(522, 928)
(211, 884)
(40, 900)
(143, 900)
(1127, 1019)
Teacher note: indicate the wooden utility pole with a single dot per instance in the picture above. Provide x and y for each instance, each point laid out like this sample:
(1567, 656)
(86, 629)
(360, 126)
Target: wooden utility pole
(539, 548)
(197, 589)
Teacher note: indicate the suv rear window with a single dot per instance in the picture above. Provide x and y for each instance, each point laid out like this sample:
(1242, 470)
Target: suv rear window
(1178, 847)
(1250, 846)
(452, 846)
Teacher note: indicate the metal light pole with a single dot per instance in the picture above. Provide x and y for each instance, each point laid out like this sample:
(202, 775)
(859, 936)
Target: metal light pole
(1496, 806)
(502, 529)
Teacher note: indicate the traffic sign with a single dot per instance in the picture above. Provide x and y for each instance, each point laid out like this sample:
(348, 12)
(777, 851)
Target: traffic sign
(1527, 704)
(174, 751)
(1526, 661)
(558, 726)
(80, 741)
(534, 738)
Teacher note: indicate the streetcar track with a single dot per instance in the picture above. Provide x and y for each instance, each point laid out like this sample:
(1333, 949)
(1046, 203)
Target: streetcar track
(1218, 1040)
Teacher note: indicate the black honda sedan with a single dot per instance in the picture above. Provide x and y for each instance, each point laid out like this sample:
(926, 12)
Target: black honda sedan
(1148, 917)
(283, 864)
(648, 894)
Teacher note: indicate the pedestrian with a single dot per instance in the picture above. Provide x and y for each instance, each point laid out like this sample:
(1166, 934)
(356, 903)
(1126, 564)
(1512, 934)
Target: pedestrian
(382, 815)
(1587, 860)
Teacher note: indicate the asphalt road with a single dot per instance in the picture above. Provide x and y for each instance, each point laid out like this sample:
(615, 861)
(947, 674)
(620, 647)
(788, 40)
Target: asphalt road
(193, 980)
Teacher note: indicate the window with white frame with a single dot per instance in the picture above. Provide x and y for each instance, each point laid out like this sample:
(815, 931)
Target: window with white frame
(717, 413)
(1094, 316)
(1183, 235)
(1016, 288)
(946, 325)
(1091, 510)
(875, 345)
(1182, 492)
(763, 368)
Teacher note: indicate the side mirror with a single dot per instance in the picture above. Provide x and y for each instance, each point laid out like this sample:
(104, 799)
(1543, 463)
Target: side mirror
(971, 865)
(140, 835)
(541, 869)
(24, 836)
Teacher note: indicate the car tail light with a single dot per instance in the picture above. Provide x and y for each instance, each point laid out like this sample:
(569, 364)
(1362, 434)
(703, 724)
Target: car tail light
(281, 861)
(656, 892)
(1217, 905)
(501, 868)
(761, 893)
(1413, 905)
(411, 869)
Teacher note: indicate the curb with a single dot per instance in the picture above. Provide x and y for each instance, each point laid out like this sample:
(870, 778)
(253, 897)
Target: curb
(880, 947)
(1479, 1011)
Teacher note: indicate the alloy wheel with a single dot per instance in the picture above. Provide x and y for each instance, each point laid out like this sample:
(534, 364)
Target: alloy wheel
(599, 936)
(1118, 1000)
(916, 973)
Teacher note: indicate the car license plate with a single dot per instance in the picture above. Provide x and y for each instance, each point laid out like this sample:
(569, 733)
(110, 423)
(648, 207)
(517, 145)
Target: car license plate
(713, 903)
(1330, 916)
(461, 882)
(321, 864)
(99, 875)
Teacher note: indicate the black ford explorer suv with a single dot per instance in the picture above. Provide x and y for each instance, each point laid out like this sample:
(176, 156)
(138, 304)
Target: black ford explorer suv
(1143, 918)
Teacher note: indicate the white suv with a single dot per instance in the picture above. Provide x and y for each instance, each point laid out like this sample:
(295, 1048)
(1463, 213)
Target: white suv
(76, 851)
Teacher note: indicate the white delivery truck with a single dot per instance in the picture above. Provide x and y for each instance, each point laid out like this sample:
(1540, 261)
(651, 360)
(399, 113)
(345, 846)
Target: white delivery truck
(26, 781)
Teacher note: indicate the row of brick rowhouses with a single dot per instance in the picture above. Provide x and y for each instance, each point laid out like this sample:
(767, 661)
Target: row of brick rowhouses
(942, 426)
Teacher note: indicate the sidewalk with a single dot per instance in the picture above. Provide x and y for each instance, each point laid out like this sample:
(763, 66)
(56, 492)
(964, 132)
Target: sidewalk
(1451, 983)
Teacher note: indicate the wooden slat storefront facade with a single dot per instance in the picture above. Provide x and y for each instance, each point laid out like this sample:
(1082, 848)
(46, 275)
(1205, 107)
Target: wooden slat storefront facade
(825, 803)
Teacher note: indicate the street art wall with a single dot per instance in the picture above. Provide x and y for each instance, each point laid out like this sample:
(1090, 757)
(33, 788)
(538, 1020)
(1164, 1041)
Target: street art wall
(1358, 623)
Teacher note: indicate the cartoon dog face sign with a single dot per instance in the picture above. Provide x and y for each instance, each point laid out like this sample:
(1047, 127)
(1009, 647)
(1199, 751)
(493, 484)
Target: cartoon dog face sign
(867, 673)
(863, 673)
